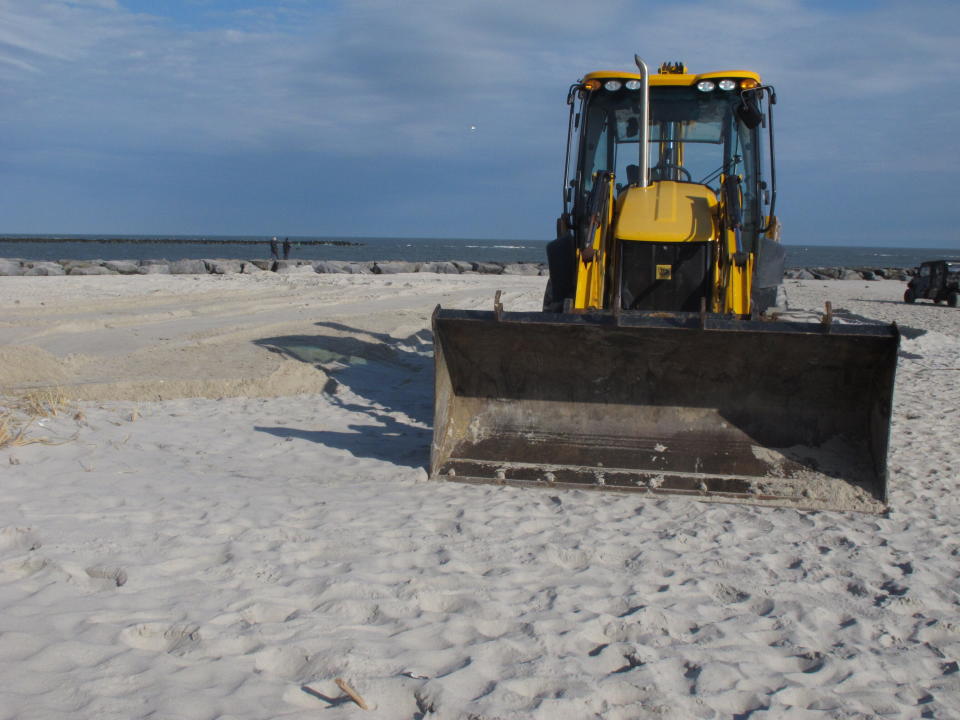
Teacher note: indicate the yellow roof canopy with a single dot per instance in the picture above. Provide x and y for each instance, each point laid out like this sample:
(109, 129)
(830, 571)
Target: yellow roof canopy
(673, 78)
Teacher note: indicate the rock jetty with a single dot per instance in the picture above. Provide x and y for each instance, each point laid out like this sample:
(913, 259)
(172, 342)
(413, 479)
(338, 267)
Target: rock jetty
(224, 266)
(842, 273)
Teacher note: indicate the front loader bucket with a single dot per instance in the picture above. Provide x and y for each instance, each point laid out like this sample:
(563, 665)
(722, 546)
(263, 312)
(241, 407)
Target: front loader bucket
(773, 413)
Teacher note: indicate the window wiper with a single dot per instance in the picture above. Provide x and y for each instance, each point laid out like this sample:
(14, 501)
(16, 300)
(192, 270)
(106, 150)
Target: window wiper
(732, 162)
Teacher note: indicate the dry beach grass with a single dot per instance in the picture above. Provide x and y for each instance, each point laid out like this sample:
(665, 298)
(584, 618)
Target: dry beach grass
(236, 514)
(18, 413)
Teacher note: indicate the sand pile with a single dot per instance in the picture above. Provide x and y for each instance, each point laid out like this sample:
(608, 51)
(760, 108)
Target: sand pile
(159, 337)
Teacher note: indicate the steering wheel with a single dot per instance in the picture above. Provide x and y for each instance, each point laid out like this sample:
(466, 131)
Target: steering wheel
(668, 166)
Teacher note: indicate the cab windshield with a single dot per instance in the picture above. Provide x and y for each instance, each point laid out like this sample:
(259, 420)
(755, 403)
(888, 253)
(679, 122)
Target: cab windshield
(694, 137)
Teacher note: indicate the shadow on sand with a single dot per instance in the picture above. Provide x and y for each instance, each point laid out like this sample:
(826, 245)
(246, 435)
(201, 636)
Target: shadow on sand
(905, 330)
(388, 379)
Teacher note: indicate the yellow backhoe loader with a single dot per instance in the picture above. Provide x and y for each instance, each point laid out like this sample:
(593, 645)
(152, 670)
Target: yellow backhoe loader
(657, 365)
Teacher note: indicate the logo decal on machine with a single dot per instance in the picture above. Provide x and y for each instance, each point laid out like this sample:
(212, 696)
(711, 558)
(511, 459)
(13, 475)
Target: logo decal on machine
(664, 272)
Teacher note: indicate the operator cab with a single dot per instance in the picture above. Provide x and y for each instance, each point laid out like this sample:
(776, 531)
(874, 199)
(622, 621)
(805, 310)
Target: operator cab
(685, 155)
(702, 127)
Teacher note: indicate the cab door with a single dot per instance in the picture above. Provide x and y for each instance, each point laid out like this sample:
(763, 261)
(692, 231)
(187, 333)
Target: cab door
(937, 281)
(923, 282)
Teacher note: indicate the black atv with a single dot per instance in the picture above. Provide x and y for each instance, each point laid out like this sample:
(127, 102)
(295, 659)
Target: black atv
(936, 280)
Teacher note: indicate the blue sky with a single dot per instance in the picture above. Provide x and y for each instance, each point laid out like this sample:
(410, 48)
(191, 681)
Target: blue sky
(329, 117)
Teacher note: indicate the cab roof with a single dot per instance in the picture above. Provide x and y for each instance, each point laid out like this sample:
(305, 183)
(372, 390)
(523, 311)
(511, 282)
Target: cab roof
(673, 78)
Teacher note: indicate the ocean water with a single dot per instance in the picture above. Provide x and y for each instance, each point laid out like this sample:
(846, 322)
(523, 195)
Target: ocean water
(864, 257)
(146, 247)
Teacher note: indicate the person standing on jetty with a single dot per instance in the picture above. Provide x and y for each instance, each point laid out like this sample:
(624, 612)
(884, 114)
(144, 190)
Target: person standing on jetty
(286, 248)
(275, 249)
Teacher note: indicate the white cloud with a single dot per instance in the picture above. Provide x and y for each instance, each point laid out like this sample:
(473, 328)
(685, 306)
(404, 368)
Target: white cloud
(372, 75)
(377, 78)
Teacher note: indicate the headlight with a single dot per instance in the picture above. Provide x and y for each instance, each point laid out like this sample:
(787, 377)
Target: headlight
(727, 85)
(612, 85)
(633, 84)
(705, 85)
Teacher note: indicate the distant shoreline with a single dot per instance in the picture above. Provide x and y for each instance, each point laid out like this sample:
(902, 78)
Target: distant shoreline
(36, 247)
(168, 240)
(229, 266)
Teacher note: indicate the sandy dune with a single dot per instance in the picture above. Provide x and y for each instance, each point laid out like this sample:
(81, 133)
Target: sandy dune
(158, 337)
(239, 514)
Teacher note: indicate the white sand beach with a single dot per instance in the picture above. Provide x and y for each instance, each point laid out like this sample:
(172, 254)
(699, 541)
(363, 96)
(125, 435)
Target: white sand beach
(231, 510)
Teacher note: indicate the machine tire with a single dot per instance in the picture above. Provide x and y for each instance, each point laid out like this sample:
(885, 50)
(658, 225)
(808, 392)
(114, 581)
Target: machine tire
(561, 285)
(953, 299)
(551, 303)
(548, 302)
(909, 296)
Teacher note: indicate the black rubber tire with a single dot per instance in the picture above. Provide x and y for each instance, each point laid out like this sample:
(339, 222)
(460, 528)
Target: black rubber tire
(561, 263)
(953, 299)
(549, 304)
(908, 296)
(548, 298)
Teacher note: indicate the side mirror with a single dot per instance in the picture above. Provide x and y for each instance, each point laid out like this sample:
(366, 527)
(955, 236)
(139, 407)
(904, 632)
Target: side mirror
(749, 110)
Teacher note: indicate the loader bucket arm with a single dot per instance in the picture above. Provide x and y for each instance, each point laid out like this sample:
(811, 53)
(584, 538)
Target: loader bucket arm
(773, 413)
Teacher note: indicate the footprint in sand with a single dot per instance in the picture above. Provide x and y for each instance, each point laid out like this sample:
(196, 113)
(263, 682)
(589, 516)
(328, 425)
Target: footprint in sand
(23, 566)
(727, 594)
(807, 662)
(568, 558)
(440, 602)
(18, 539)
(259, 613)
(284, 662)
(174, 638)
(762, 607)
(115, 575)
(351, 610)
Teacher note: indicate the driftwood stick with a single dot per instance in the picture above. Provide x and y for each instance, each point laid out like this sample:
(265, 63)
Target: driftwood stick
(354, 695)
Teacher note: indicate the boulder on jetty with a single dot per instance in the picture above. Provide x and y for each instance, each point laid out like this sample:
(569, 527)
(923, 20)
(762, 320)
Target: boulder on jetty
(188, 267)
(223, 267)
(42, 267)
(124, 267)
(10, 267)
(154, 267)
(393, 267)
(85, 267)
(903, 274)
(521, 269)
(445, 268)
(287, 267)
(341, 266)
(834, 273)
(485, 268)
(90, 269)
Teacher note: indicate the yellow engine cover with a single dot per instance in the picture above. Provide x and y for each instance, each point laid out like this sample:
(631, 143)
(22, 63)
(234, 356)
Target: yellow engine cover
(667, 211)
